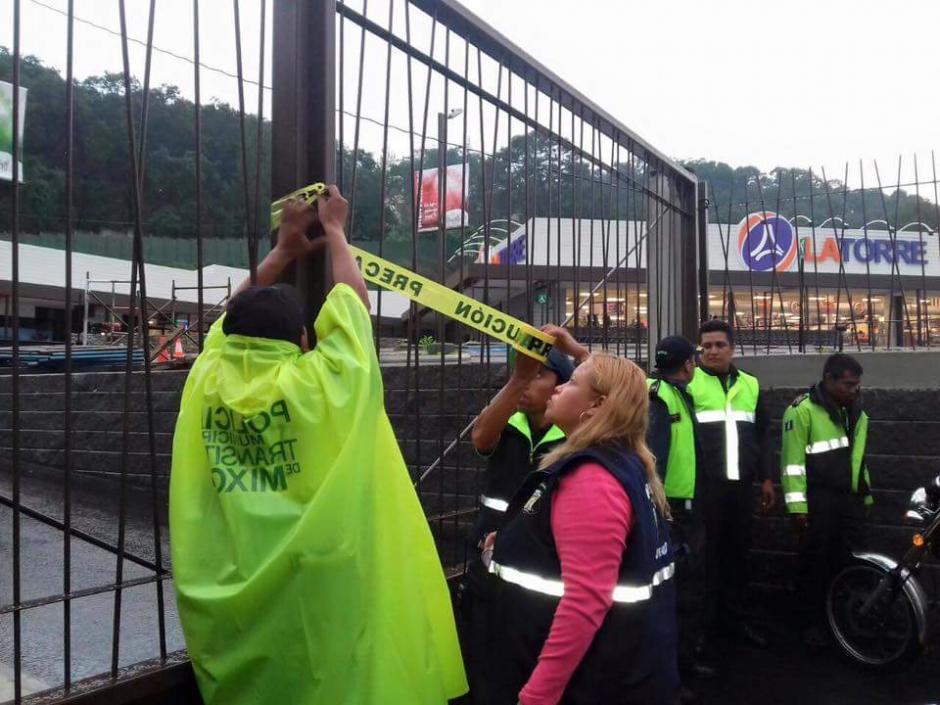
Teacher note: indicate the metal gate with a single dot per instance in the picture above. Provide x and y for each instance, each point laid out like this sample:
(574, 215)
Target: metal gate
(562, 215)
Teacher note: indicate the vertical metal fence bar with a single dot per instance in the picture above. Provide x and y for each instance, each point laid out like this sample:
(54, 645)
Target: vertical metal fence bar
(67, 390)
(442, 220)
(509, 211)
(384, 177)
(868, 307)
(638, 272)
(464, 181)
(485, 348)
(922, 294)
(617, 165)
(726, 291)
(197, 126)
(260, 217)
(341, 115)
(15, 378)
(842, 281)
(250, 231)
(417, 178)
(355, 153)
(592, 328)
(529, 194)
(801, 262)
(558, 291)
(606, 319)
(892, 229)
(414, 211)
(144, 112)
(936, 201)
(132, 310)
(893, 235)
(812, 220)
(575, 225)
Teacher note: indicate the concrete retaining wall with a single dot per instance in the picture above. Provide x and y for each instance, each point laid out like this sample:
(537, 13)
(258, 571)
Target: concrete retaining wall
(904, 450)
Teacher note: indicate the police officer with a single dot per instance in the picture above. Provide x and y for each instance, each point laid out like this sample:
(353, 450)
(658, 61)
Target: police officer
(586, 600)
(825, 481)
(672, 438)
(733, 435)
(513, 434)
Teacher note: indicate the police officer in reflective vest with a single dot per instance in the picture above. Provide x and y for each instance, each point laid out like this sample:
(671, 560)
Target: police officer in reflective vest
(672, 438)
(513, 434)
(586, 600)
(825, 481)
(733, 435)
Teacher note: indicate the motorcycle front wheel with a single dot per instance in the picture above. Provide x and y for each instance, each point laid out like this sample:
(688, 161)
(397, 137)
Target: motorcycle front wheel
(878, 633)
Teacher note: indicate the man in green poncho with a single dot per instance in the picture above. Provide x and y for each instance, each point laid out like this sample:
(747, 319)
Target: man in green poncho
(305, 571)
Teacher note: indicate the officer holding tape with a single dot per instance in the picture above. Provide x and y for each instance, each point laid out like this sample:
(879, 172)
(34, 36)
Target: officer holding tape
(513, 435)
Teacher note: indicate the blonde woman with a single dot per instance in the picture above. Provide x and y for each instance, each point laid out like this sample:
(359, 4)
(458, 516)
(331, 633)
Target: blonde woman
(585, 565)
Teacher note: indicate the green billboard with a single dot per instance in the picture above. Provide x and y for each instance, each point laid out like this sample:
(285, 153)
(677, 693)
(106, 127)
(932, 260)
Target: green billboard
(6, 129)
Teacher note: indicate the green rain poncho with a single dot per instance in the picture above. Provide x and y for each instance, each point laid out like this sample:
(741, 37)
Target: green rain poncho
(305, 571)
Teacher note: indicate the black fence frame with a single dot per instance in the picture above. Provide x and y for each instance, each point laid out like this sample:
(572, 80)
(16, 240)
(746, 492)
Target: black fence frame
(304, 148)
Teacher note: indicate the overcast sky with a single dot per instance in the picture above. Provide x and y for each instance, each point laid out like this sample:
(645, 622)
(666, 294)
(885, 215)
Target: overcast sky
(794, 83)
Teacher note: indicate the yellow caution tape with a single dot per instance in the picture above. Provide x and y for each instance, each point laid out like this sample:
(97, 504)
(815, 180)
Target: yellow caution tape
(308, 194)
(426, 292)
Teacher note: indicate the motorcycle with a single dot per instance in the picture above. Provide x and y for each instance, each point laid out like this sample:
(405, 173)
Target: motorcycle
(876, 607)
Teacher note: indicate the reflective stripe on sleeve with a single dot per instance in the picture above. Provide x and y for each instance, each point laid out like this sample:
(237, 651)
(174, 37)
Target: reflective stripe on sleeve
(497, 505)
(793, 497)
(826, 446)
(795, 471)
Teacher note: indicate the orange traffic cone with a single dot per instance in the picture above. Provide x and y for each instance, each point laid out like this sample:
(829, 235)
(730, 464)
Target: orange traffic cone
(164, 355)
(178, 353)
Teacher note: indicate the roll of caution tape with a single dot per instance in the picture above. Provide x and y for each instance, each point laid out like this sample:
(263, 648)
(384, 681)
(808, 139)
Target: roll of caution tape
(425, 292)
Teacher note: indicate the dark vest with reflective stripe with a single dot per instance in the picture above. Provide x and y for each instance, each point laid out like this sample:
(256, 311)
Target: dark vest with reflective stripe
(507, 467)
(632, 658)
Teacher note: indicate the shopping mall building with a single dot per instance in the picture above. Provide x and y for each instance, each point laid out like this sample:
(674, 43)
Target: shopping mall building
(775, 278)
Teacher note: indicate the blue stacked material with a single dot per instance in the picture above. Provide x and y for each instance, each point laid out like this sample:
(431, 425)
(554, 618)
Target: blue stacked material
(52, 358)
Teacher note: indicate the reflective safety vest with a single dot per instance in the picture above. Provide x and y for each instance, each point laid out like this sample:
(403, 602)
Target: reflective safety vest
(680, 466)
(823, 446)
(726, 423)
(507, 467)
(633, 654)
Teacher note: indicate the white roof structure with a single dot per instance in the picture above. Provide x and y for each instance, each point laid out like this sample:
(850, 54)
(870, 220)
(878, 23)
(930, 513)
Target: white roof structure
(583, 242)
(45, 266)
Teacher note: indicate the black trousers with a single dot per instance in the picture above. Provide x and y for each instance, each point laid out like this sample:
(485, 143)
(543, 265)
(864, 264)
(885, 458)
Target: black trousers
(727, 510)
(478, 630)
(836, 527)
(688, 540)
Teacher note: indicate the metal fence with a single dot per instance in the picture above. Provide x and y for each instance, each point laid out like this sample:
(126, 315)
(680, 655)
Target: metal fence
(565, 216)
(803, 260)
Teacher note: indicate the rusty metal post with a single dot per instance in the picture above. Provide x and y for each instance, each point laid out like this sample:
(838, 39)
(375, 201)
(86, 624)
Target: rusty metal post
(303, 134)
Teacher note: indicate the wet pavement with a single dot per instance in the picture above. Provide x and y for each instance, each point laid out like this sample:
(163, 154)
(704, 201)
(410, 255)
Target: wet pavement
(786, 673)
(95, 510)
(789, 673)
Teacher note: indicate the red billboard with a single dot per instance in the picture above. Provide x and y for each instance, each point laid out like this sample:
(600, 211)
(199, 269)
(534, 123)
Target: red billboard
(455, 200)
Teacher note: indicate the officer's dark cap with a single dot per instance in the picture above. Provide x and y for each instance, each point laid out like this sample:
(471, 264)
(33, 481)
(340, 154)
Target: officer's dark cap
(560, 364)
(672, 353)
